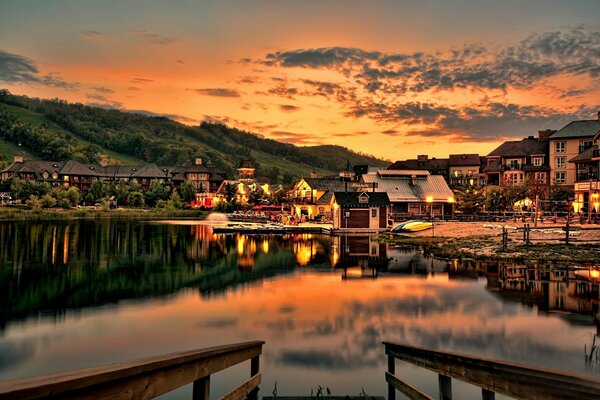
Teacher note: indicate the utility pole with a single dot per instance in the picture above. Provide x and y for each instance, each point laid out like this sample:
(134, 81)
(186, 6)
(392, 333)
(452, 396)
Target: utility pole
(537, 208)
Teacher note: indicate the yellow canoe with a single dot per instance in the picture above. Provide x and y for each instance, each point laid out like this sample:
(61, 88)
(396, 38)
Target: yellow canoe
(417, 226)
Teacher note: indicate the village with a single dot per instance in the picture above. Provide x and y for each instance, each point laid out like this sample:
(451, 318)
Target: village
(553, 174)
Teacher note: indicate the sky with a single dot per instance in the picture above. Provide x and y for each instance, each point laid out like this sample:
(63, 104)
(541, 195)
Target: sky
(388, 78)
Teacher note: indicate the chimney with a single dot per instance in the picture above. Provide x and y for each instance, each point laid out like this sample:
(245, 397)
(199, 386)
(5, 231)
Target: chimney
(544, 135)
(422, 157)
(413, 179)
(198, 161)
(313, 174)
(18, 158)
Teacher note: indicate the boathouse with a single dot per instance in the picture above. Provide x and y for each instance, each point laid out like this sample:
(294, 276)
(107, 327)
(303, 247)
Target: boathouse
(360, 210)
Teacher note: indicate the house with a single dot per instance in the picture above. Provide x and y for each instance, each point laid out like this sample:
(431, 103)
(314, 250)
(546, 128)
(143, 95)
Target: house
(463, 169)
(360, 210)
(587, 179)
(413, 192)
(570, 141)
(30, 170)
(244, 185)
(435, 166)
(311, 197)
(518, 161)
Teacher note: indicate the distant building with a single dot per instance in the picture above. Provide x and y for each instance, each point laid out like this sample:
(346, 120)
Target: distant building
(587, 180)
(570, 141)
(360, 210)
(435, 166)
(518, 161)
(311, 197)
(457, 169)
(244, 186)
(413, 192)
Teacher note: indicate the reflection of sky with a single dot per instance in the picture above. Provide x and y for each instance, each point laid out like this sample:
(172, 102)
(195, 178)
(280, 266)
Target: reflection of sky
(319, 330)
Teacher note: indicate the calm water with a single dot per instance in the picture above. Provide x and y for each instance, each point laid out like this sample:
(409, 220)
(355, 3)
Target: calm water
(79, 294)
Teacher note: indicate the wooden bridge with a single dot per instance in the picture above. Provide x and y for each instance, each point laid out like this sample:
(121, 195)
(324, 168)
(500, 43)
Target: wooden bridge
(146, 378)
(492, 376)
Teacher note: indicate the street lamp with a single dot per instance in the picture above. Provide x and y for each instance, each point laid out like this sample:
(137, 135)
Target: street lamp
(429, 200)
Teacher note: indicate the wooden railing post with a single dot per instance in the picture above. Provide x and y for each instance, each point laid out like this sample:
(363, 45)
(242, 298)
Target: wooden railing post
(201, 388)
(254, 369)
(391, 370)
(487, 394)
(445, 387)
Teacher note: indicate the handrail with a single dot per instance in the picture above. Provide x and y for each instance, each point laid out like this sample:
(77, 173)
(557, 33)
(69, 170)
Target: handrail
(142, 379)
(492, 376)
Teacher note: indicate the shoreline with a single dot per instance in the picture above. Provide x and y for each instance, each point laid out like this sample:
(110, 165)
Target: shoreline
(15, 215)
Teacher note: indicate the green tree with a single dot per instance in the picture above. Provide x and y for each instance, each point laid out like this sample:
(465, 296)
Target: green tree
(97, 190)
(16, 188)
(34, 203)
(175, 200)
(230, 191)
(74, 196)
(122, 194)
(136, 199)
(188, 191)
(157, 191)
(48, 201)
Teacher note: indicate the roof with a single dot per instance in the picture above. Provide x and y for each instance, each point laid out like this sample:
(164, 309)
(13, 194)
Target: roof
(402, 172)
(76, 168)
(577, 129)
(585, 156)
(325, 184)
(402, 189)
(460, 160)
(493, 165)
(415, 164)
(520, 148)
(351, 199)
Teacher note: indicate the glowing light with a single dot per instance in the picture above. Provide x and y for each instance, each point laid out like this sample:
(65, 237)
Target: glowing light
(429, 199)
(265, 246)
(240, 244)
(450, 199)
(594, 273)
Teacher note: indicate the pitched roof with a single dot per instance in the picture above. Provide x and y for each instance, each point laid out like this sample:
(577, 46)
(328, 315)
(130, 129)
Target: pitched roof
(459, 160)
(429, 164)
(325, 184)
(351, 199)
(401, 188)
(76, 168)
(520, 148)
(576, 129)
(584, 156)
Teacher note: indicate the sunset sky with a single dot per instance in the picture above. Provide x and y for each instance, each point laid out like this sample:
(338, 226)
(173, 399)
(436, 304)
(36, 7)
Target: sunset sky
(389, 78)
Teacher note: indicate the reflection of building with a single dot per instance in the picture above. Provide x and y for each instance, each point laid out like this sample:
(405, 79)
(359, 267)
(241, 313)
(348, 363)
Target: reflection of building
(358, 256)
(360, 210)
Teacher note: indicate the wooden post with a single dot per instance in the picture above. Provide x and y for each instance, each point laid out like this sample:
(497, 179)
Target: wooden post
(254, 369)
(567, 231)
(391, 370)
(537, 209)
(445, 384)
(201, 389)
(487, 394)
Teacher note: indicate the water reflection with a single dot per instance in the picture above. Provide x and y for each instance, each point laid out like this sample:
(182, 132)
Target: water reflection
(322, 304)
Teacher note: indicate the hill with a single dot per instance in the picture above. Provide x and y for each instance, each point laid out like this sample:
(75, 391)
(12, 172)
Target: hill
(57, 130)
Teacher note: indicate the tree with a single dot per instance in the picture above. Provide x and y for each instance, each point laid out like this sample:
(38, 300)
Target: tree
(122, 194)
(48, 201)
(175, 201)
(188, 191)
(230, 192)
(157, 191)
(97, 190)
(470, 201)
(74, 196)
(256, 197)
(34, 203)
(136, 199)
(16, 188)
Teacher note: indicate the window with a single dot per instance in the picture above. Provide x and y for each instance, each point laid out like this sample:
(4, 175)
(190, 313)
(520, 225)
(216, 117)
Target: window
(374, 213)
(560, 178)
(54, 175)
(585, 144)
(560, 147)
(537, 161)
(45, 175)
(321, 210)
(363, 199)
(514, 164)
(540, 177)
(560, 162)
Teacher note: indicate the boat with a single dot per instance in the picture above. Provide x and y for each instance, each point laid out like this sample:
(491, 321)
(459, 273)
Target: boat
(399, 228)
(416, 226)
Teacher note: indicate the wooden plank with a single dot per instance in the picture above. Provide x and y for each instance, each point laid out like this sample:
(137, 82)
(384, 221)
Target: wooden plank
(144, 378)
(487, 394)
(512, 379)
(410, 391)
(245, 388)
(445, 385)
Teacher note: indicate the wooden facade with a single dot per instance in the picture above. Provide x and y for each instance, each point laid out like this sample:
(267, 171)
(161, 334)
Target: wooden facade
(360, 210)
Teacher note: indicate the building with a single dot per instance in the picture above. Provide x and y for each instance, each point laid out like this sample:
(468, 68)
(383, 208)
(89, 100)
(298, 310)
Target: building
(244, 186)
(587, 180)
(463, 169)
(435, 166)
(206, 179)
(311, 197)
(570, 141)
(360, 210)
(518, 161)
(413, 192)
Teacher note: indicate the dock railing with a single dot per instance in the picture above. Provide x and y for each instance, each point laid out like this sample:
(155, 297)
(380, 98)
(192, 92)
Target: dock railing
(492, 376)
(145, 378)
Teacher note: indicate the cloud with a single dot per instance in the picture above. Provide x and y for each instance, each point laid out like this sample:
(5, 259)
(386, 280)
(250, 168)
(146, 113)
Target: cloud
(101, 101)
(175, 117)
(217, 92)
(289, 108)
(140, 80)
(92, 35)
(295, 138)
(18, 69)
(180, 61)
(153, 38)
(102, 89)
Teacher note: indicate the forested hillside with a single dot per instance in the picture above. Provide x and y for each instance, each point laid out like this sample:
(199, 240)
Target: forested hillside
(57, 130)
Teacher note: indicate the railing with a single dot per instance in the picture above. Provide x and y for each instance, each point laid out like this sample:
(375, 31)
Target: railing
(492, 376)
(146, 378)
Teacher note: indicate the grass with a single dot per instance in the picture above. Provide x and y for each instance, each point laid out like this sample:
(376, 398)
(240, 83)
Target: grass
(17, 214)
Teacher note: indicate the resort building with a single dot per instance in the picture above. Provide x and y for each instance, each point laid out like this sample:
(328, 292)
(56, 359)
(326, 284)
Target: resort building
(311, 197)
(360, 210)
(587, 180)
(515, 162)
(566, 144)
(435, 166)
(413, 192)
(457, 169)
(244, 186)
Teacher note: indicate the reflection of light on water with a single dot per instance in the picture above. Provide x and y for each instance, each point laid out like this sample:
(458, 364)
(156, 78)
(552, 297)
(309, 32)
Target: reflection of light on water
(354, 272)
(305, 251)
(66, 245)
(241, 240)
(335, 255)
(265, 246)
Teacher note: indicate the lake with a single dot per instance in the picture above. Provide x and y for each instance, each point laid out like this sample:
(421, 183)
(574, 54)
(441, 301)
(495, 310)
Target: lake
(77, 294)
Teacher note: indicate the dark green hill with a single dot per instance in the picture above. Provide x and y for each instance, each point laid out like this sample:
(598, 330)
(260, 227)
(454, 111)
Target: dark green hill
(57, 130)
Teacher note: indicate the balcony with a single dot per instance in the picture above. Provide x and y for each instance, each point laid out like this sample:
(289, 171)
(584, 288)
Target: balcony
(512, 167)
